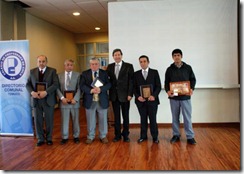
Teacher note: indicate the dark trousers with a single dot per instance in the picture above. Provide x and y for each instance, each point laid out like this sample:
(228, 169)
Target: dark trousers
(124, 106)
(43, 112)
(148, 111)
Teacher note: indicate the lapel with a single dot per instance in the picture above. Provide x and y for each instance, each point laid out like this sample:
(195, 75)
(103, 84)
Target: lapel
(90, 75)
(123, 67)
(45, 74)
(36, 74)
(113, 67)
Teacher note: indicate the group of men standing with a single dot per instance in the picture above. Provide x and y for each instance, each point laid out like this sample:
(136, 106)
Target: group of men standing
(118, 83)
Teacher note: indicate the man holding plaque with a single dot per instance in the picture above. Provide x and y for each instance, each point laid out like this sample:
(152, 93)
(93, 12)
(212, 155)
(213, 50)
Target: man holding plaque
(95, 85)
(121, 92)
(179, 84)
(42, 85)
(69, 101)
(147, 86)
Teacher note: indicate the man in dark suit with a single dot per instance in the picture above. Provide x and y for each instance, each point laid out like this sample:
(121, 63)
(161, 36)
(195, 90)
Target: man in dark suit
(121, 92)
(69, 81)
(147, 86)
(95, 100)
(43, 101)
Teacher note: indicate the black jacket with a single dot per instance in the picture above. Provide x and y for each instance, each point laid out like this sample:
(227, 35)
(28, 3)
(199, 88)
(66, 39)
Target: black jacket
(123, 87)
(175, 74)
(153, 79)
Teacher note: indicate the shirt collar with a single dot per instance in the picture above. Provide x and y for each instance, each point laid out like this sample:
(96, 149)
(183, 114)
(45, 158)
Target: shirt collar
(66, 72)
(120, 63)
(145, 69)
(43, 70)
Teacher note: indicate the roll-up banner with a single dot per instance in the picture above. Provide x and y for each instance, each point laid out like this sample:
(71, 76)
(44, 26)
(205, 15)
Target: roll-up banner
(15, 111)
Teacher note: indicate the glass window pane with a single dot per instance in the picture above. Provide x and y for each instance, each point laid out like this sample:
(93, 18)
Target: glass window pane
(89, 48)
(101, 47)
(80, 49)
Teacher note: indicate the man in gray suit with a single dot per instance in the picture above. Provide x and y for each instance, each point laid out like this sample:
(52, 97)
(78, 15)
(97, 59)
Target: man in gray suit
(69, 100)
(43, 100)
(95, 100)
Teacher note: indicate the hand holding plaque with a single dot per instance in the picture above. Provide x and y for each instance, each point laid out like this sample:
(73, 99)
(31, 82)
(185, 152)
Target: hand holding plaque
(146, 91)
(97, 82)
(69, 95)
(180, 88)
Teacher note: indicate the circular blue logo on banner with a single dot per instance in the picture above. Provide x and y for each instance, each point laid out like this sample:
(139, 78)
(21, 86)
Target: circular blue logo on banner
(12, 65)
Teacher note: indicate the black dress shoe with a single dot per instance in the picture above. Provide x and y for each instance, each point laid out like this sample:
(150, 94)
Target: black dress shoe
(156, 140)
(76, 140)
(39, 143)
(140, 140)
(174, 139)
(116, 139)
(191, 141)
(126, 139)
(49, 143)
(63, 141)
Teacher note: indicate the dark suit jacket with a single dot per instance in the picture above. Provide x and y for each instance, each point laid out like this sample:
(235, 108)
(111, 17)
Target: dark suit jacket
(85, 86)
(123, 87)
(50, 76)
(152, 79)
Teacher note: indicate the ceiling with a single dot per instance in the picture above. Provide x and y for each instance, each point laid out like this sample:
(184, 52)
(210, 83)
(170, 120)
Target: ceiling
(93, 13)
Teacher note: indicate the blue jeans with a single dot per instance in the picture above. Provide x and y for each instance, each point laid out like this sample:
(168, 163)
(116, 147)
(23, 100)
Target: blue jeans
(183, 106)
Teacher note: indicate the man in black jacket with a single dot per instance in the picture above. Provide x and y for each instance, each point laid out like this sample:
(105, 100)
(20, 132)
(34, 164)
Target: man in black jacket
(179, 71)
(147, 86)
(121, 92)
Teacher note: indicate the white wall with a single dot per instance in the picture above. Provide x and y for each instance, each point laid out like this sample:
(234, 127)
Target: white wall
(206, 31)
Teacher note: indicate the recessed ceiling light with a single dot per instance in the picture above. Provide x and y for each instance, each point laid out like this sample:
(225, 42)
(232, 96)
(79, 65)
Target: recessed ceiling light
(97, 28)
(76, 13)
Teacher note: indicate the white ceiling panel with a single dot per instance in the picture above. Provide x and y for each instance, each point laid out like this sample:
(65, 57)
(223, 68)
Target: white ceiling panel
(93, 13)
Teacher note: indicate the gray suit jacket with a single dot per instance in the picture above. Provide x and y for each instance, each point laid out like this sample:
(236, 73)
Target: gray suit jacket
(75, 85)
(50, 76)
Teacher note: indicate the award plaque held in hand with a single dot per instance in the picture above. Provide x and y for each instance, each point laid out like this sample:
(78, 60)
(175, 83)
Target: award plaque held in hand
(41, 86)
(69, 95)
(180, 88)
(146, 91)
(97, 82)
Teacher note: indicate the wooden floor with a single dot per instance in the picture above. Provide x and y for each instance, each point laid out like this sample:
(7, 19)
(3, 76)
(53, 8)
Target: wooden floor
(218, 148)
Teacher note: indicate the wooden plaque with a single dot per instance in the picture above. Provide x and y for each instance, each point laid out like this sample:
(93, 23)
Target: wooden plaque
(146, 91)
(180, 88)
(69, 95)
(41, 86)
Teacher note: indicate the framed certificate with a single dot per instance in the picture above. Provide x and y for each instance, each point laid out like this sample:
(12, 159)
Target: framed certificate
(69, 95)
(146, 91)
(180, 88)
(41, 86)
(97, 82)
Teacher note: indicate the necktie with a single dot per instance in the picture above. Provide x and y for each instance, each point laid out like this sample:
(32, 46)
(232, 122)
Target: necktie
(68, 81)
(145, 74)
(117, 71)
(41, 76)
(95, 96)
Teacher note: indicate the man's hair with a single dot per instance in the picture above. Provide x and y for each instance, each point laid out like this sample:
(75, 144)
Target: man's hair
(144, 56)
(42, 56)
(94, 58)
(69, 60)
(116, 50)
(176, 51)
